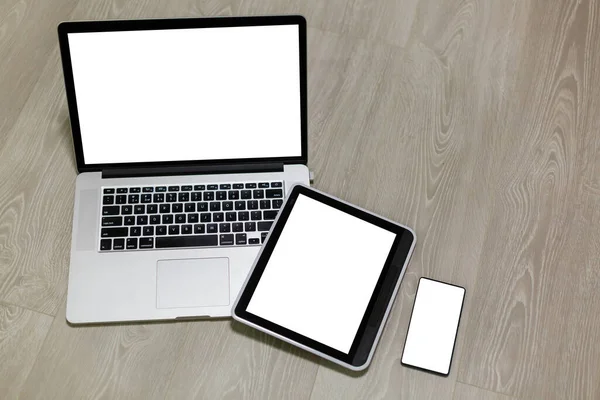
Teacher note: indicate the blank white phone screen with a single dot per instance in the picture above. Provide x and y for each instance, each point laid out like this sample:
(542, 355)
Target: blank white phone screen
(322, 273)
(188, 94)
(433, 326)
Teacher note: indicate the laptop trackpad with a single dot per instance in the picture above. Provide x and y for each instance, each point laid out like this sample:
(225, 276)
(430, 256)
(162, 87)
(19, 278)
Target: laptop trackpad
(197, 282)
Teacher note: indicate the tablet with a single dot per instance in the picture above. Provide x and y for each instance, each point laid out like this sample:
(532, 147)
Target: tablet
(326, 277)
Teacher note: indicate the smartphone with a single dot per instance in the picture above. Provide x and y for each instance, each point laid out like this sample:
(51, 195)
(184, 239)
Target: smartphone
(433, 326)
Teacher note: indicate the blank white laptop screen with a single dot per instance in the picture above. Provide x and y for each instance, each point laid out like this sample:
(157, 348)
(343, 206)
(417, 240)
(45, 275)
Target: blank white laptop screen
(433, 326)
(322, 273)
(188, 94)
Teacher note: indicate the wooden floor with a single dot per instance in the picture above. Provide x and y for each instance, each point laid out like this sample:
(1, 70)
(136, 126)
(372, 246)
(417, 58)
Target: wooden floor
(477, 122)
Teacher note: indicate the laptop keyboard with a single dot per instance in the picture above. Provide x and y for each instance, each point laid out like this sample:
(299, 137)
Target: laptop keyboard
(204, 215)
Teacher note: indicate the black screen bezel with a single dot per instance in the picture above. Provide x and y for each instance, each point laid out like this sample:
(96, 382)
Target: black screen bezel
(65, 28)
(380, 299)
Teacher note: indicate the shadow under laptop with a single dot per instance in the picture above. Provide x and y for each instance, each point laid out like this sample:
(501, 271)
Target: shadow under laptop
(280, 345)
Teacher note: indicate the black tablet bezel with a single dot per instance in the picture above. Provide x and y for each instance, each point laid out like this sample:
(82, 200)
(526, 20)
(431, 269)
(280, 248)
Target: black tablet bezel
(65, 28)
(455, 333)
(382, 294)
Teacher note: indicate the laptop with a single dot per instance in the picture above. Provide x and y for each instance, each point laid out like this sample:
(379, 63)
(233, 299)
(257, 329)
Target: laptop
(188, 133)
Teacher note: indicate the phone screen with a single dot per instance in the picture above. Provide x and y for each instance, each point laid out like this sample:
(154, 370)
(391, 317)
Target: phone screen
(433, 326)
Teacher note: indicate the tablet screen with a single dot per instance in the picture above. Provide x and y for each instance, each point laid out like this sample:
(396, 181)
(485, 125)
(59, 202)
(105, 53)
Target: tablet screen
(322, 273)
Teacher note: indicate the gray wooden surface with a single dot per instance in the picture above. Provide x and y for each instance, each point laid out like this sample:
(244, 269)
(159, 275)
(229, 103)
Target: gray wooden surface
(474, 121)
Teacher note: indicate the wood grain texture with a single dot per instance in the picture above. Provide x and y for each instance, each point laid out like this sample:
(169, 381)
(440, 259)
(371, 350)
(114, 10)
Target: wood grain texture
(473, 121)
(22, 333)
(468, 392)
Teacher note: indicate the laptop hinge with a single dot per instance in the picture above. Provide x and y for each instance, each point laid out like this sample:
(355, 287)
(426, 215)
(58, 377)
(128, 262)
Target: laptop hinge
(135, 172)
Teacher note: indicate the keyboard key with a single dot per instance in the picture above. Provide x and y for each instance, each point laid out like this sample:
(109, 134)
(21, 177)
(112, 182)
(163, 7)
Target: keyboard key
(134, 190)
(226, 240)
(240, 205)
(134, 198)
(118, 244)
(121, 199)
(233, 195)
(186, 188)
(105, 244)
(171, 197)
(139, 209)
(159, 197)
(132, 243)
(146, 243)
(173, 188)
(186, 241)
(161, 189)
(155, 219)
(148, 231)
(126, 210)
(199, 187)
(227, 205)
(263, 236)
(270, 214)
(237, 227)
(218, 217)
(196, 196)
(113, 232)
(230, 216)
(112, 221)
(212, 187)
(186, 229)
(265, 204)
(161, 230)
(205, 217)
(258, 194)
(135, 231)
(167, 219)
(202, 207)
(142, 220)
(121, 190)
(225, 227)
(252, 205)
(240, 238)
(243, 216)
(263, 185)
(277, 203)
(183, 197)
(254, 241)
(215, 206)
(129, 220)
(246, 194)
(173, 229)
(250, 226)
(165, 208)
(148, 189)
(264, 226)
(192, 218)
(108, 200)
(276, 184)
(225, 186)
(211, 228)
(250, 185)
(177, 207)
(238, 185)
(256, 215)
(199, 228)
(274, 193)
(180, 218)
(208, 196)
(221, 195)
(147, 198)
(151, 208)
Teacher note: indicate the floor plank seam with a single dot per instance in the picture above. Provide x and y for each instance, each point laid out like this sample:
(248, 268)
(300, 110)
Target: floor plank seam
(487, 390)
(8, 303)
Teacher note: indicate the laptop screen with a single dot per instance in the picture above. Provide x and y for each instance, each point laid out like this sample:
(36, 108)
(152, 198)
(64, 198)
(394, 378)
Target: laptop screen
(188, 94)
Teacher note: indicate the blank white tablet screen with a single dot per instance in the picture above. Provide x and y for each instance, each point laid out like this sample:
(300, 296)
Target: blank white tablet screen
(322, 273)
(433, 325)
